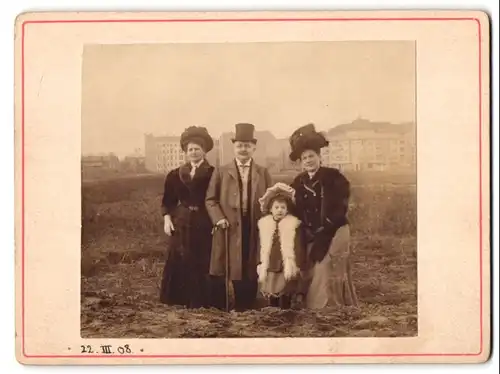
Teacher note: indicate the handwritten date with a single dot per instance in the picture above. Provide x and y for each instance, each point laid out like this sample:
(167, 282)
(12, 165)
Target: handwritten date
(107, 349)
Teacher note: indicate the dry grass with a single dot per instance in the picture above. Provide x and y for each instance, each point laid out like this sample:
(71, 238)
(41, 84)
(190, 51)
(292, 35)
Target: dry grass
(122, 261)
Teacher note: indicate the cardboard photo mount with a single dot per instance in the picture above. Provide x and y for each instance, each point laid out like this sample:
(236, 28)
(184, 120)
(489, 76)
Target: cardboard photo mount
(453, 158)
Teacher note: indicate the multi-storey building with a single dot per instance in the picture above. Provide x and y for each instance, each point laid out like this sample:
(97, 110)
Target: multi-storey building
(358, 146)
(365, 145)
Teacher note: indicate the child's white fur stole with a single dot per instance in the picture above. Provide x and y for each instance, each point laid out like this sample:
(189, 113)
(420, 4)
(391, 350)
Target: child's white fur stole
(287, 231)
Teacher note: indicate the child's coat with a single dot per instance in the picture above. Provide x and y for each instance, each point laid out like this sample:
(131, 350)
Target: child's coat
(280, 267)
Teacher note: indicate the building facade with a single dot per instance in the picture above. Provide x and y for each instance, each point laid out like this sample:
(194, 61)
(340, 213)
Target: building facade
(369, 146)
(360, 146)
(99, 166)
(357, 146)
(104, 161)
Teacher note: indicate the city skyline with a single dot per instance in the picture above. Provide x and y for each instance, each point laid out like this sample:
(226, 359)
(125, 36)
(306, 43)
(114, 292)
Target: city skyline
(139, 151)
(360, 145)
(357, 146)
(130, 90)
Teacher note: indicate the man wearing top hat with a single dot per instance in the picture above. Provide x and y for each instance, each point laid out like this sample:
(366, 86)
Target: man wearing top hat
(232, 204)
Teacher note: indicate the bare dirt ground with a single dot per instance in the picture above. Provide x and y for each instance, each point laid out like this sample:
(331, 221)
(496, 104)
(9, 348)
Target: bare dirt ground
(121, 300)
(122, 264)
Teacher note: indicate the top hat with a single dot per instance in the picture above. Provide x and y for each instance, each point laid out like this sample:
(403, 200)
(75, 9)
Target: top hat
(305, 138)
(198, 135)
(244, 133)
(280, 189)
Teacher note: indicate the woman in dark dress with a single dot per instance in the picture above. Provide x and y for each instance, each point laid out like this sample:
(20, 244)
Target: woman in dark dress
(322, 198)
(187, 224)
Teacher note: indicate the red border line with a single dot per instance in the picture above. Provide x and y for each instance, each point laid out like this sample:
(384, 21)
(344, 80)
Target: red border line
(480, 120)
(23, 334)
(173, 20)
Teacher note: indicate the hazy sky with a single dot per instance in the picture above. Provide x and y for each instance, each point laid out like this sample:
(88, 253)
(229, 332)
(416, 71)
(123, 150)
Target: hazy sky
(129, 90)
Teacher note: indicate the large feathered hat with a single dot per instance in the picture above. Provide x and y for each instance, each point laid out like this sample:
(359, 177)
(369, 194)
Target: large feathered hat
(278, 190)
(198, 135)
(304, 138)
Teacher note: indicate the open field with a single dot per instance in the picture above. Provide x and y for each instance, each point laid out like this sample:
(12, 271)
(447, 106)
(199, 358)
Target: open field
(123, 247)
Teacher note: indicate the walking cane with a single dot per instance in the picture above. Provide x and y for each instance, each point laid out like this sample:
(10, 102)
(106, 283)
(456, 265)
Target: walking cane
(226, 246)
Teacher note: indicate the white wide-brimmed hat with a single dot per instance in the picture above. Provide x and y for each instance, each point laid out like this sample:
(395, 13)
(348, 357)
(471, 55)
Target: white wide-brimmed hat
(279, 189)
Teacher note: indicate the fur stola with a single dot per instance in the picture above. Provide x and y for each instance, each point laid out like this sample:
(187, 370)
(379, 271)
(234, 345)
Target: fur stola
(287, 231)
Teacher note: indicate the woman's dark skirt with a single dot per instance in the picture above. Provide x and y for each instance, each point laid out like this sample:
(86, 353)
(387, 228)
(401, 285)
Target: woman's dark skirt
(185, 279)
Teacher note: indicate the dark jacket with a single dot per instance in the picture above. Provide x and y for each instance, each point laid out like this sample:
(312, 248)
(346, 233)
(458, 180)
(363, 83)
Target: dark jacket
(329, 191)
(180, 189)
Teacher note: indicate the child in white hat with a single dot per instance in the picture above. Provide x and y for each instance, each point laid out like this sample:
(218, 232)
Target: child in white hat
(281, 251)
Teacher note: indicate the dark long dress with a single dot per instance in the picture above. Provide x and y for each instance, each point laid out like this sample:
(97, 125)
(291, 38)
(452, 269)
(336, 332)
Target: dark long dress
(185, 275)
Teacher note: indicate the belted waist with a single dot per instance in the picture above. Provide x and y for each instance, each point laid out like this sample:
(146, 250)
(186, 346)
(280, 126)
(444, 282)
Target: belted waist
(191, 207)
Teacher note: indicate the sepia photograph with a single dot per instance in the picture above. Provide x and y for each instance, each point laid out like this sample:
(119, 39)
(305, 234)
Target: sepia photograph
(249, 190)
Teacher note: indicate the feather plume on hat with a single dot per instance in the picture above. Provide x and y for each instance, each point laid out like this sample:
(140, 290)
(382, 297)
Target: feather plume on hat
(304, 138)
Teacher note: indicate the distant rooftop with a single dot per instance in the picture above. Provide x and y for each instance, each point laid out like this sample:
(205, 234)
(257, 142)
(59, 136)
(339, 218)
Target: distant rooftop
(361, 124)
(358, 124)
